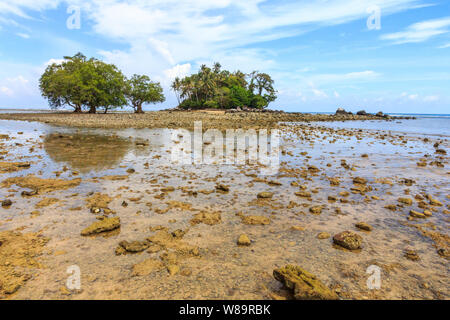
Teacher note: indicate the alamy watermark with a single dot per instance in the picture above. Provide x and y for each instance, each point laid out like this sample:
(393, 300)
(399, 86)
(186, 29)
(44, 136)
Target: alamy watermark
(374, 20)
(374, 280)
(73, 282)
(74, 20)
(235, 147)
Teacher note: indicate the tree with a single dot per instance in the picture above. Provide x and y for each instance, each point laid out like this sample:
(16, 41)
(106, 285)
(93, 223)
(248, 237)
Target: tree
(61, 84)
(216, 88)
(140, 90)
(103, 84)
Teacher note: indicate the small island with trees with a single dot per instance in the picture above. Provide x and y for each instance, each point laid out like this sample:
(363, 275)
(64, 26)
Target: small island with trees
(92, 85)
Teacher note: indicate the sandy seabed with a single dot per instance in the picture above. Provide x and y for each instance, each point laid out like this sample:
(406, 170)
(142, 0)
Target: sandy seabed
(139, 226)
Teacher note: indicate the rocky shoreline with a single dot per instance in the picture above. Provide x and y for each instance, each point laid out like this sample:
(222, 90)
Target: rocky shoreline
(218, 119)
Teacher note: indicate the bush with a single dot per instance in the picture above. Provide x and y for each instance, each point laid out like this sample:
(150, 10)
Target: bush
(239, 97)
(211, 104)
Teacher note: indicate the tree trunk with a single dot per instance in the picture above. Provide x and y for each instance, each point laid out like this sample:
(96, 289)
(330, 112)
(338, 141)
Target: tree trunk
(77, 109)
(138, 109)
(92, 109)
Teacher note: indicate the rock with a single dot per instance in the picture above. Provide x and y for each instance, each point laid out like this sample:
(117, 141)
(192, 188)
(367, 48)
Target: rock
(441, 151)
(7, 203)
(407, 201)
(359, 188)
(265, 195)
(334, 181)
(443, 252)
(341, 111)
(359, 180)
(303, 194)
(134, 246)
(363, 226)
(173, 269)
(416, 214)
(243, 240)
(255, 220)
(304, 285)
(147, 267)
(391, 207)
(427, 213)
(209, 218)
(28, 193)
(411, 255)
(107, 224)
(323, 235)
(433, 201)
(348, 240)
(316, 210)
(362, 113)
(222, 188)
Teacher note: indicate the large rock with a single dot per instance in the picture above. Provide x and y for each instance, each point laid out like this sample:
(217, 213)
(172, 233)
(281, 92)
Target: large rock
(304, 285)
(348, 240)
(107, 224)
(341, 111)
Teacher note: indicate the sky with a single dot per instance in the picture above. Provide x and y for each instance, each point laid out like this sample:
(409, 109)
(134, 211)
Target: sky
(388, 55)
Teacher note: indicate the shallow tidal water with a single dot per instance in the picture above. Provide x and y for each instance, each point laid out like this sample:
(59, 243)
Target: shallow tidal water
(224, 270)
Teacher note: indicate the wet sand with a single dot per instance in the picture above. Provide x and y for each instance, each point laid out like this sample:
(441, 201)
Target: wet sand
(186, 228)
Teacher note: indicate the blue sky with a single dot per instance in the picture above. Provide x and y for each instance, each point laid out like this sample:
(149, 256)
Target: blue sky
(323, 54)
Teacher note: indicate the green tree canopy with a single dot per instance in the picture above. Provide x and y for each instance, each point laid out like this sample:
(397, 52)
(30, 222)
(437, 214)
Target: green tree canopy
(62, 83)
(92, 84)
(216, 88)
(140, 89)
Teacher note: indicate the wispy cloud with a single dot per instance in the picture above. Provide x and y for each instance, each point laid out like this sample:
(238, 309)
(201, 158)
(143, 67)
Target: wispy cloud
(420, 32)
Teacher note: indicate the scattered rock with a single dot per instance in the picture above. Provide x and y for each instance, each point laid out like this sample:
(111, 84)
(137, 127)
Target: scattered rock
(265, 195)
(407, 201)
(243, 240)
(222, 188)
(348, 240)
(255, 220)
(209, 218)
(323, 235)
(107, 224)
(411, 255)
(416, 214)
(7, 203)
(131, 247)
(364, 226)
(304, 285)
(147, 267)
(316, 210)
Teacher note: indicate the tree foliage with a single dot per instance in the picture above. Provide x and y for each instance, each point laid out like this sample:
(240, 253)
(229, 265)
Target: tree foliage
(140, 89)
(216, 88)
(91, 84)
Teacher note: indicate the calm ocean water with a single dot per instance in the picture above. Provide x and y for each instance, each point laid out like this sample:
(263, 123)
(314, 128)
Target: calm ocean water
(424, 124)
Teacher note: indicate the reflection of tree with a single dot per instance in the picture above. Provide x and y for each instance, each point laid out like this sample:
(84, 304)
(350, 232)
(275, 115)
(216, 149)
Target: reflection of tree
(86, 152)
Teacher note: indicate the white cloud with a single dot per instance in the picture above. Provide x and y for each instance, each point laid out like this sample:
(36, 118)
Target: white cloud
(319, 93)
(180, 70)
(444, 46)
(23, 35)
(431, 98)
(6, 91)
(359, 76)
(420, 32)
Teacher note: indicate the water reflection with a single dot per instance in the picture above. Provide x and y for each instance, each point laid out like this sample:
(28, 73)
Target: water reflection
(86, 152)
